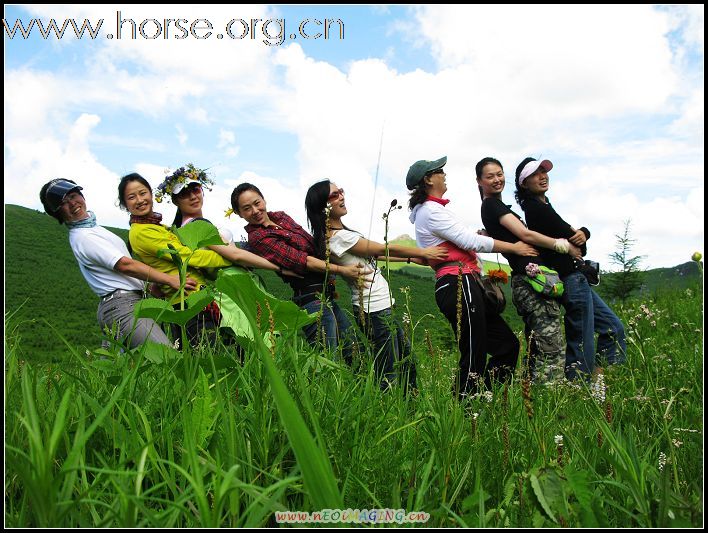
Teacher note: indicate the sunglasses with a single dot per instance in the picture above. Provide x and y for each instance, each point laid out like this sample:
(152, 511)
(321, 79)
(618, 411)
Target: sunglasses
(335, 194)
(189, 189)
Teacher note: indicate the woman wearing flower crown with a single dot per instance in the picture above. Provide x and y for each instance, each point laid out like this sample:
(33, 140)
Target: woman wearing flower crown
(325, 207)
(585, 312)
(541, 314)
(148, 236)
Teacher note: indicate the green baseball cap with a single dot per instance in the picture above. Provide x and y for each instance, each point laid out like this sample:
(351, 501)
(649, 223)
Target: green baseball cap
(420, 168)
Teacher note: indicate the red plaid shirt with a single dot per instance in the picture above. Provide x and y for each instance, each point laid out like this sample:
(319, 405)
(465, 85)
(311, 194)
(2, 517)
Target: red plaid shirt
(287, 246)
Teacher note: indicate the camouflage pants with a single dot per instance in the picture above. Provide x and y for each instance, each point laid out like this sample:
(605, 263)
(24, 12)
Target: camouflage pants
(541, 315)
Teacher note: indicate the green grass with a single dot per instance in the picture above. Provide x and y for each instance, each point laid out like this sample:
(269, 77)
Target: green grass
(104, 439)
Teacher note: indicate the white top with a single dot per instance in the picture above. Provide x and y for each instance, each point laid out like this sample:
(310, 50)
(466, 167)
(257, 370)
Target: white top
(376, 297)
(435, 224)
(97, 250)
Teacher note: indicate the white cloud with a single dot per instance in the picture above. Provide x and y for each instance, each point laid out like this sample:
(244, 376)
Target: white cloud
(599, 86)
(227, 143)
(182, 136)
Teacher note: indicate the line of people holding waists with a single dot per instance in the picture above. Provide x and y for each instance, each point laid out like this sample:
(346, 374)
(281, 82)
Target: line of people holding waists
(544, 255)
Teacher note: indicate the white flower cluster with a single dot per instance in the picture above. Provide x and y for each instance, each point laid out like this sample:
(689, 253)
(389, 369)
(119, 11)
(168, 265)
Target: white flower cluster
(598, 389)
(558, 439)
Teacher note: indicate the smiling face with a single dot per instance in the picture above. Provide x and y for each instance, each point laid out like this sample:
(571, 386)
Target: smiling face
(336, 202)
(492, 180)
(190, 201)
(252, 208)
(537, 183)
(73, 208)
(138, 199)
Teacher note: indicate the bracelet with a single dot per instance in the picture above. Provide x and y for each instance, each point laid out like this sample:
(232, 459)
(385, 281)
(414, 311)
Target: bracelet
(562, 246)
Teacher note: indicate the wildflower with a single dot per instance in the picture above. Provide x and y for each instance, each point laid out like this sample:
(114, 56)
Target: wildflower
(662, 461)
(676, 442)
(653, 323)
(406, 319)
(598, 389)
(498, 276)
(532, 270)
(689, 293)
(176, 344)
(675, 325)
(558, 439)
(487, 395)
(475, 416)
(182, 175)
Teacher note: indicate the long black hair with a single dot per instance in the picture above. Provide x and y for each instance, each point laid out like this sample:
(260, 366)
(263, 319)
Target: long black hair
(521, 193)
(479, 167)
(315, 205)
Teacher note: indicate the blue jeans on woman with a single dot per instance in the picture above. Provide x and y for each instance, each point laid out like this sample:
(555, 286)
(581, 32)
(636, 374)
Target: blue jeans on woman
(334, 324)
(390, 348)
(585, 315)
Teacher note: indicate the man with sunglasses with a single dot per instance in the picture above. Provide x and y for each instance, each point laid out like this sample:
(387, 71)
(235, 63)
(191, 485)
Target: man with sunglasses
(106, 265)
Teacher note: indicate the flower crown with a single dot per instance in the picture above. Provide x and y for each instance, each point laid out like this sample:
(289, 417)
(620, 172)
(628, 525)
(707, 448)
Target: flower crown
(182, 175)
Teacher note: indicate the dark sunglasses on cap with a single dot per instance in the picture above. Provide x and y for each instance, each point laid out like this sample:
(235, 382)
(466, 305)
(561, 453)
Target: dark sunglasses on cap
(335, 194)
(436, 171)
(189, 189)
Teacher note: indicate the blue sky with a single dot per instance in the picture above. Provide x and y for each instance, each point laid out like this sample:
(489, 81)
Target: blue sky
(613, 95)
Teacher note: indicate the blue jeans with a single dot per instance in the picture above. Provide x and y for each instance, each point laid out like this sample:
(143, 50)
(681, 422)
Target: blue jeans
(334, 324)
(389, 350)
(585, 315)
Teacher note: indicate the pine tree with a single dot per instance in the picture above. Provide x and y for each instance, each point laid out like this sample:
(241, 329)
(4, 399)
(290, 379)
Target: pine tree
(629, 278)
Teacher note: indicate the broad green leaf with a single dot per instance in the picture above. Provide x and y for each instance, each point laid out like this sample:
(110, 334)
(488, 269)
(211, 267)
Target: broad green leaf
(198, 234)
(237, 283)
(540, 496)
(158, 353)
(162, 311)
(203, 415)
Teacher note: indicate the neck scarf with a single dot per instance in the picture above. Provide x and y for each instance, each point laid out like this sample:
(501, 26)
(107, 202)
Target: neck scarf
(438, 200)
(154, 218)
(89, 222)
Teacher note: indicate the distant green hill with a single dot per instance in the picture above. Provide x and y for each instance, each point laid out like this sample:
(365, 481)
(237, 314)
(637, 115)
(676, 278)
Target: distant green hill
(43, 281)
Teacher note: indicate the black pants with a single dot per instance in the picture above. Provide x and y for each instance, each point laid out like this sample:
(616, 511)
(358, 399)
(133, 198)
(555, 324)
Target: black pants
(481, 333)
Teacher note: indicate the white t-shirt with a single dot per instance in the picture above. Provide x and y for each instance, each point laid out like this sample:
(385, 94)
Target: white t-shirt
(97, 250)
(376, 298)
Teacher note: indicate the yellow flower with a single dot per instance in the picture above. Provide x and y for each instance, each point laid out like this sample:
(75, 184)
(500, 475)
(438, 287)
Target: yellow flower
(228, 212)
